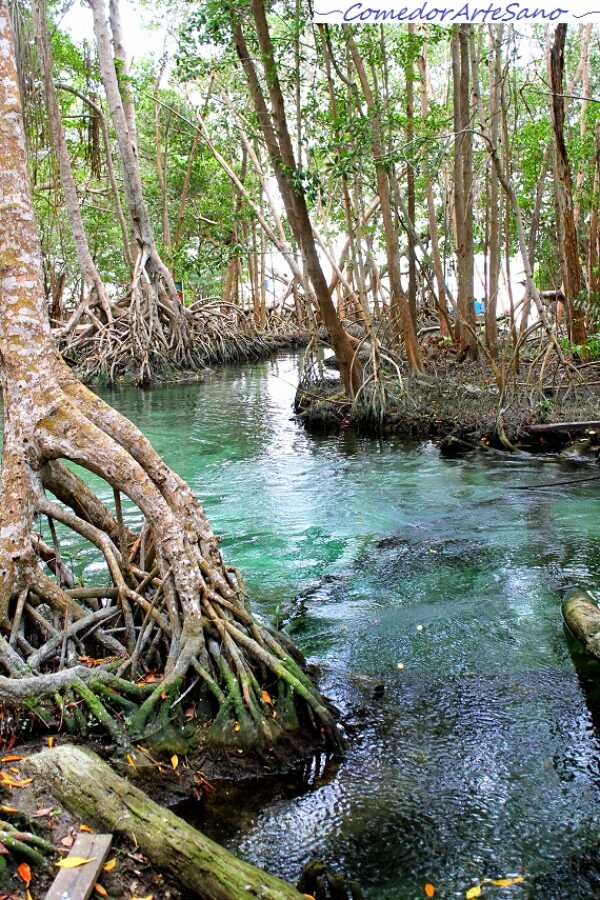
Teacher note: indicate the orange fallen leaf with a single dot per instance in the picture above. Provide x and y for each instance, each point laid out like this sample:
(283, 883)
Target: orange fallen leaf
(507, 882)
(110, 865)
(24, 873)
(101, 890)
(9, 781)
(51, 742)
(73, 862)
(429, 889)
(13, 757)
(266, 698)
(308, 896)
(174, 760)
(8, 809)
(149, 678)
(86, 828)
(131, 761)
(92, 663)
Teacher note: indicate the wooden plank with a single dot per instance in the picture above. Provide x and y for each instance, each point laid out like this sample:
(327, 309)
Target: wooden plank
(78, 884)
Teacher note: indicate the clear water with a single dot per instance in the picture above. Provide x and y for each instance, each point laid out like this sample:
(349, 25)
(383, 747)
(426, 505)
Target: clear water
(481, 757)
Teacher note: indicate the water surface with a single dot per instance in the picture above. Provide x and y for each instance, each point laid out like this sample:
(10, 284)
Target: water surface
(481, 757)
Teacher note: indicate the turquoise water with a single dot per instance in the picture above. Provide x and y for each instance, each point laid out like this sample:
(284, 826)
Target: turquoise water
(480, 759)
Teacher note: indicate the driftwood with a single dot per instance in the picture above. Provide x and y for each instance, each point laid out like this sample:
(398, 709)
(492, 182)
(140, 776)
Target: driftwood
(582, 617)
(89, 788)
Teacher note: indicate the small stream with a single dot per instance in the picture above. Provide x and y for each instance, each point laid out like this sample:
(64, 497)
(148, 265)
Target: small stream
(479, 758)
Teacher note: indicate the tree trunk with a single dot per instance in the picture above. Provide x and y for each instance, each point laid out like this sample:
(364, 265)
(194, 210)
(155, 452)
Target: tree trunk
(403, 323)
(491, 327)
(573, 280)
(91, 790)
(174, 594)
(94, 286)
(410, 177)
(463, 189)
(158, 325)
(279, 145)
(438, 267)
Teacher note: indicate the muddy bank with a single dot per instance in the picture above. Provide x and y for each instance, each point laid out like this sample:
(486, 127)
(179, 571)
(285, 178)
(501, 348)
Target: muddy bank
(463, 410)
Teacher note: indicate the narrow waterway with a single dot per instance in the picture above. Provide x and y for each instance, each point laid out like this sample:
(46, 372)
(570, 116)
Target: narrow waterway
(438, 579)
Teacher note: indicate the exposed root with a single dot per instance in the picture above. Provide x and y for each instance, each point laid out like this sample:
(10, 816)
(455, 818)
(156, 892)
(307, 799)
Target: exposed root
(173, 338)
(169, 643)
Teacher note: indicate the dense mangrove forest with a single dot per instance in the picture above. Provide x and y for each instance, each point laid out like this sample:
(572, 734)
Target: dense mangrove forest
(300, 367)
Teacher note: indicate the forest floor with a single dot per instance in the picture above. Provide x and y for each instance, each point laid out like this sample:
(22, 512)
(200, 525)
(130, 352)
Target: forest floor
(454, 402)
(127, 875)
(193, 787)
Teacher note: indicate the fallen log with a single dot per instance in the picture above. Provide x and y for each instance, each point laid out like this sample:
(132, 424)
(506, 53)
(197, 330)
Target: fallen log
(89, 788)
(563, 427)
(582, 617)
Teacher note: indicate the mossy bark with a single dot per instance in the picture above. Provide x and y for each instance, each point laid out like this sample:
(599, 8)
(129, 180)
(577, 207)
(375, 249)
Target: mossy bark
(89, 788)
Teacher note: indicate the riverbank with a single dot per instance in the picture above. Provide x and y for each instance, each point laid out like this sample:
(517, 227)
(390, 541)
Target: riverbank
(460, 406)
(232, 349)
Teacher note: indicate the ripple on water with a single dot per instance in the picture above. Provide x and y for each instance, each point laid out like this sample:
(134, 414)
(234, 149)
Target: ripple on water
(482, 756)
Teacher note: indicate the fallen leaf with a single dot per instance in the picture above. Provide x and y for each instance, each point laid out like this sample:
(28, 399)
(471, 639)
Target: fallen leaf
(150, 678)
(92, 663)
(9, 781)
(101, 890)
(148, 897)
(110, 865)
(266, 698)
(507, 882)
(14, 757)
(73, 862)
(131, 761)
(473, 892)
(308, 896)
(24, 873)
(174, 760)
(429, 889)
(86, 828)
(28, 895)
(51, 742)
(40, 813)
(68, 841)
(236, 726)
(8, 809)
